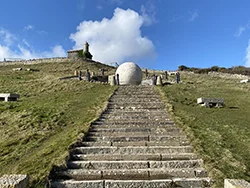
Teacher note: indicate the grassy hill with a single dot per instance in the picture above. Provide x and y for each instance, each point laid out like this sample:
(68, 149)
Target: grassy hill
(220, 135)
(36, 131)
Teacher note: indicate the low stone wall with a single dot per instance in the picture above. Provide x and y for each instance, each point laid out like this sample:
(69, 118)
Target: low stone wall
(45, 60)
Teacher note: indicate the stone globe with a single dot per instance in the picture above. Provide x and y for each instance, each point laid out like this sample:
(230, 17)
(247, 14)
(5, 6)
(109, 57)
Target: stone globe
(129, 74)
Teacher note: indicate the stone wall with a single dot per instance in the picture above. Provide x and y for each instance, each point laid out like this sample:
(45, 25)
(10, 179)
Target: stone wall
(45, 60)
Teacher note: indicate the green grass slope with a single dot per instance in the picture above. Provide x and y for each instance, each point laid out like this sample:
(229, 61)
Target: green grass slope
(220, 135)
(36, 131)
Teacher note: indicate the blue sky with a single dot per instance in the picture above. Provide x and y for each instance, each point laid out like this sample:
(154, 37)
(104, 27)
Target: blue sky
(156, 34)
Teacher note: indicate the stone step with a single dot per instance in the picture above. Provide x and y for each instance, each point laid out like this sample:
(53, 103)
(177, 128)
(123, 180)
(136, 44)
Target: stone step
(137, 104)
(129, 138)
(130, 174)
(130, 117)
(135, 143)
(162, 183)
(141, 157)
(132, 149)
(100, 165)
(133, 122)
(166, 125)
(128, 130)
(135, 96)
(135, 113)
(121, 134)
(131, 100)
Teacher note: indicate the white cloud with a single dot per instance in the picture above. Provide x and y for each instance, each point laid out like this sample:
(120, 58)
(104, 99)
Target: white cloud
(58, 51)
(247, 63)
(193, 15)
(12, 46)
(24, 53)
(117, 39)
(148, 13)
(28, 27)
(242, 29)
(6, 37)
(99, 7)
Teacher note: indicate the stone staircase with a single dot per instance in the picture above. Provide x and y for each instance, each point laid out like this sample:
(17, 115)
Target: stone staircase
(134, 143)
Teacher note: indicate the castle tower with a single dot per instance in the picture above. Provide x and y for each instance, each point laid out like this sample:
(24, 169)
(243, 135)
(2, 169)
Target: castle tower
(86, 47)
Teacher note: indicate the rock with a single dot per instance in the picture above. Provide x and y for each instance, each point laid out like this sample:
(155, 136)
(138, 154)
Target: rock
(236, 183)
(9, 181)
(129, 74)
(244, 81)
(17, 69)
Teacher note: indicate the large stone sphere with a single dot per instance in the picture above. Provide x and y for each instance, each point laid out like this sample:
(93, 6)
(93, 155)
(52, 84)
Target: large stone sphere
(129, 74)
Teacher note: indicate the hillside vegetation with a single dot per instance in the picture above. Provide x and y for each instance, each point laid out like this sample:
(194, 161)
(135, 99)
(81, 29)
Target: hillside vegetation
(220, 135)
(36, 131)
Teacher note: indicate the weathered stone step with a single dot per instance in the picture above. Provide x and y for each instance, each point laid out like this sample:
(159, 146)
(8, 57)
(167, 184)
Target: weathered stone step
(132, 150)
(158, 105)
(135, 92)
(136, 133)
(130, 174)
(129, 138)
(135, 113)
(97, 125)
(141, 157)
(130, 117)
(163, 183)
(131, 100)
(100, 165)
(133, 122)
(134, 110)
(139, 129)
(135, 143)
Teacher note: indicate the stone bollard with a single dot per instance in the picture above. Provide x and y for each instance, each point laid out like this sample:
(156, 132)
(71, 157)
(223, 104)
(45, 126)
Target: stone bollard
(76, 73)
(113, 81)
(14, 181)
(236, 183)
(159, 81)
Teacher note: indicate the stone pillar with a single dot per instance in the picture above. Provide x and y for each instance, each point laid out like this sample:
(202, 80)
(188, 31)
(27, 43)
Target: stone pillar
(76, 73)
(112, 80)
(159, 81)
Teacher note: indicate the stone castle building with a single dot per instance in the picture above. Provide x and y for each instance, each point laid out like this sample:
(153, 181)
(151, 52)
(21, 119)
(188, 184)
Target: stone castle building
(82, 53)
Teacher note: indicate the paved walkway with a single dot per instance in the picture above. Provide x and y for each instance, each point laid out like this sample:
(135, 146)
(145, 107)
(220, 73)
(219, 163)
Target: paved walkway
(133, 144)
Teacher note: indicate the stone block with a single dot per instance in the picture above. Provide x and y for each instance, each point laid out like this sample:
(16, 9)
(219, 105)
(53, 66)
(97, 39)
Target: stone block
(14, 181)
(192, 182)
(210, 100)
(9, 97)
(236, 183)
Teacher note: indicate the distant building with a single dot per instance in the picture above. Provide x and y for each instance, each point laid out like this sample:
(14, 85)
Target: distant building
(82, 53)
